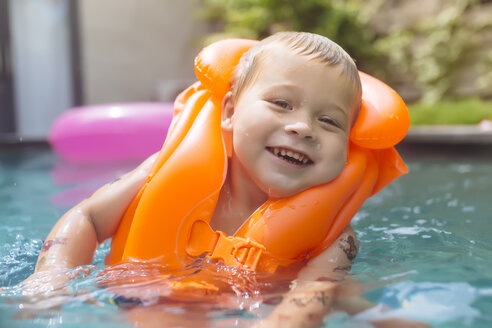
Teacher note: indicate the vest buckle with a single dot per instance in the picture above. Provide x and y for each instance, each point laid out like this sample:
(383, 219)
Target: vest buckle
(237, 251)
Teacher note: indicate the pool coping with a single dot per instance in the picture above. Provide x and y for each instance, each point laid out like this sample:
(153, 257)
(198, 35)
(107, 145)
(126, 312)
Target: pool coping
(454, 134)
(8, 140)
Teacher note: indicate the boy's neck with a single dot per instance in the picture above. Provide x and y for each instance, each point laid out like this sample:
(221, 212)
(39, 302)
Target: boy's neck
(238, 199)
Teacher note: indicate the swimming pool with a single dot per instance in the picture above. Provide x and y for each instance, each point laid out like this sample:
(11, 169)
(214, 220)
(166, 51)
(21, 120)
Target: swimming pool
(426, 246)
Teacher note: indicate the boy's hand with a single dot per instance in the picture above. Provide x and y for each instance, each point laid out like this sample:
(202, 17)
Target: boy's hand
(313, 293)
(302, 307)
(42, 291)
(47, 290)
(45, 282)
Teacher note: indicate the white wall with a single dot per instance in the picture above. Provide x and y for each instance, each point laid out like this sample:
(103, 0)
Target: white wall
(131, 49)
(41, 63)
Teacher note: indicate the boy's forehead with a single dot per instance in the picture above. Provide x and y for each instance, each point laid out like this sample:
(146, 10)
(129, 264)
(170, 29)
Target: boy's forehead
(280, 57)
(278, 60)
(277, 54)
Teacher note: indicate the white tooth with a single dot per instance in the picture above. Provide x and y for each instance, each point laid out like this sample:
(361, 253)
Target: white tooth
(301, 157)
(295, 155)
(290, 154)
(275, 151)
(304, 161)
(283, 152)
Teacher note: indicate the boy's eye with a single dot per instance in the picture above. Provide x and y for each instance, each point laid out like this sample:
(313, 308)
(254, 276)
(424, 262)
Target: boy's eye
(329, 121)
(282, 104)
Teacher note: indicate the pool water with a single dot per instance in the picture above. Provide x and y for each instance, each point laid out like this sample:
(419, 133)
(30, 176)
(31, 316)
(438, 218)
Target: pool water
(426, 247)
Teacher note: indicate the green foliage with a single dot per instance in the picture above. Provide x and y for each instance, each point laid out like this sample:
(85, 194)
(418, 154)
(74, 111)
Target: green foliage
(256, 19)
(464, 111)
(427, 52)
(485, 81)
(432, 50)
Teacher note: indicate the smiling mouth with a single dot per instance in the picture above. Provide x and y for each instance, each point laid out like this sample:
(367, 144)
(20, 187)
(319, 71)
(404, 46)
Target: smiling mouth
(290, 156)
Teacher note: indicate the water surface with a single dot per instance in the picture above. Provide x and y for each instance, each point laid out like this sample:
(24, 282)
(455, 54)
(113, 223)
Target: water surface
(426, 247)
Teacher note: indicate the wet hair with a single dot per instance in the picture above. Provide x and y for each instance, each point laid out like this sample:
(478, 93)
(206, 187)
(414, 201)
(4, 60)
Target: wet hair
(315, 46)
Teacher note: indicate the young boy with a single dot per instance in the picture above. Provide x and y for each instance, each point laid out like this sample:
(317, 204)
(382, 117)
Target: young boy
(293, 100)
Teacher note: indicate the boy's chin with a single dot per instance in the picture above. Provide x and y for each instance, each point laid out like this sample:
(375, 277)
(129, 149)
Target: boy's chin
(279, 192)
(284, 191)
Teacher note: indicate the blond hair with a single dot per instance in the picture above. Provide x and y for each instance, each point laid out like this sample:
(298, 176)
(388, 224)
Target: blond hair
(307, 44)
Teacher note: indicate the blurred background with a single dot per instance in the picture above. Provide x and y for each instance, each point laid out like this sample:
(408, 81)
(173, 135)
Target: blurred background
(57, 54)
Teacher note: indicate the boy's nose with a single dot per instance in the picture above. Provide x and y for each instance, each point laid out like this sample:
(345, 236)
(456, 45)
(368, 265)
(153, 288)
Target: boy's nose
(300, 129)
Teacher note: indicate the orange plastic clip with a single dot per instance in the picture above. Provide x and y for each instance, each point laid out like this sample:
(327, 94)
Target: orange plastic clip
(237, 251)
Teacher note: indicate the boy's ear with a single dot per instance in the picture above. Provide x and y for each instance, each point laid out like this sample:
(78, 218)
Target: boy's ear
(227, 112)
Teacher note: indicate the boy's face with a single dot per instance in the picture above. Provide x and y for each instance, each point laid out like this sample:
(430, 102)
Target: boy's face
(291, 125)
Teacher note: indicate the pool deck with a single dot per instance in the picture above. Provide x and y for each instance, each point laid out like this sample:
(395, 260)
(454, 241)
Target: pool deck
(444, 142)
(455, 134)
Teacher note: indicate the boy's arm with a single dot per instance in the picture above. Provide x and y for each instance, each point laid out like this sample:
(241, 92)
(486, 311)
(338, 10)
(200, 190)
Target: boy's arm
(75, 237)
(316, 292)
(313, 292)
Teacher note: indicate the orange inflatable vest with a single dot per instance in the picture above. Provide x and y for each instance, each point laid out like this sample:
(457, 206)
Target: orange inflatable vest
(168, 221)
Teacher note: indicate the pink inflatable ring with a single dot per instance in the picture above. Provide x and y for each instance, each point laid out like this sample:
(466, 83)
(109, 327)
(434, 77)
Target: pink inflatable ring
(111, 132)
